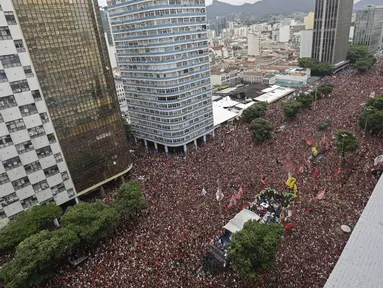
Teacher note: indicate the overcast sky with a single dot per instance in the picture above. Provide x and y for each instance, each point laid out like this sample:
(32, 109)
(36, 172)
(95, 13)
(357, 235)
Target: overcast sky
(234, 2)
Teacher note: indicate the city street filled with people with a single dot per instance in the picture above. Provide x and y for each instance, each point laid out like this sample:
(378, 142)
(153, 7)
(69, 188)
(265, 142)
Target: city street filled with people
(165, 247)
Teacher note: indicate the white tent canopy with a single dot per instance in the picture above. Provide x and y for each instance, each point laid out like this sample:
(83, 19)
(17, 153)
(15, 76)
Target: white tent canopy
(236, 224)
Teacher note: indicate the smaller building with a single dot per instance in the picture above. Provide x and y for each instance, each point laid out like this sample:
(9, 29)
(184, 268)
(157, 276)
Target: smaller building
(252, 77)
(274, 93)
(306, 43)
(253, 45)
(225, 76)
(293, 77)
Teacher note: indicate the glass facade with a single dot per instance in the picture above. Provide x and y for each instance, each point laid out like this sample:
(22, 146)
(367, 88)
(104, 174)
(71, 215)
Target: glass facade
(66, 42)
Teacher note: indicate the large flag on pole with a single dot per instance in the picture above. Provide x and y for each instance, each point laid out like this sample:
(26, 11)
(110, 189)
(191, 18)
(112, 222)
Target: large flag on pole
(240, 192)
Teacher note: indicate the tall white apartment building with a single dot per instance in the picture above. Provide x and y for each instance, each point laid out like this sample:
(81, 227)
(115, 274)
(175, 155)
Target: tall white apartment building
(253, 45)
(32, 167)
(306, 43)
(369, 28)
(162, 52)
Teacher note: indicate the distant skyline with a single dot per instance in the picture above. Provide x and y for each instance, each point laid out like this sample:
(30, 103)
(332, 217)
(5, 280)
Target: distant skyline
(208, 2)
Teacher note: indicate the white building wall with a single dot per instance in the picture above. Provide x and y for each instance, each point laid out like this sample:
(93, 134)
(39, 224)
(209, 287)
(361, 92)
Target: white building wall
(164, 62)
(253, 45)
(32, 166)
(284, 34)
(306, 43)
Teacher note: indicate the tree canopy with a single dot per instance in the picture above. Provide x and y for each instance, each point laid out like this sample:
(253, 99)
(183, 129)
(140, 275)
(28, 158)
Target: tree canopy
(261, 129)
(360, 58)
(305, 100)
(346, 142)
(90, 221)
(254, 247)
(317, 68)
(371, 118)
(129, 201)
(36, 257)
(28, 223)
(257, 110)
(291, 108)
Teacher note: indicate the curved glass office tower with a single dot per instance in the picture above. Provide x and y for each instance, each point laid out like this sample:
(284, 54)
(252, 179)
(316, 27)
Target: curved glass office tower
(162, 52)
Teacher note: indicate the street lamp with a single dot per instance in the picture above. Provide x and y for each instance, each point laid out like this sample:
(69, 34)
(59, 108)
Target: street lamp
(365, 126)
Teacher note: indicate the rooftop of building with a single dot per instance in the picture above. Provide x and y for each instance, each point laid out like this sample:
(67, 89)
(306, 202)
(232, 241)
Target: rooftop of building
(361, 262)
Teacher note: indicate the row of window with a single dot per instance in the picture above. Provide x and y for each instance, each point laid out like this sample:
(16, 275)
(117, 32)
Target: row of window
(160, 59)
(162, 31)
(164, 49)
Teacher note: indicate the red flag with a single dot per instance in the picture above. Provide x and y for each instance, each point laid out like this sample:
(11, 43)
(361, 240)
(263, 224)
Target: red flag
(316, 172)
(309, 142)
(240, 192)
(301, 168)
(290, 226)
(263, 180)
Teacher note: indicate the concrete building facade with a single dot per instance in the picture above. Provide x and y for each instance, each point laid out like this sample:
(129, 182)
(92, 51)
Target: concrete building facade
(162, 52)
(309, 21)
(306, 43)
(105, 24)
(332, 23)
(33, 169)
(369, 28)
(253, 45)
(284, 34)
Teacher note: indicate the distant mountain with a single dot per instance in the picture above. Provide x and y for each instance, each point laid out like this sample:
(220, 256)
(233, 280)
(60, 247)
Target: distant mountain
(261, 8)
(363, 3)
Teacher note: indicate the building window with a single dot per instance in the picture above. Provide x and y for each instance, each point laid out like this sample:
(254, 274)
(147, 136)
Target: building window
(10, 17)
(12, 163)
(44, 152)
(4, 178)
(3, 76)
(58, 157)
(21, 183)
(50, 171)
(1, 118)
(28, 71)
(32, 167)
(19, 45)
(51, 138)
(64, 175)
(5, 34)
(58, 188)
(44, 117)
(5, 141)
(40, 186)
(15, 125)
(10, 60)
(7, 102)
(27, 110)
(71, 193)
(36, 95)
(24, 147)
(28, 202)
(19, 86)
(9, 199)
(2, 213)
(36, 131)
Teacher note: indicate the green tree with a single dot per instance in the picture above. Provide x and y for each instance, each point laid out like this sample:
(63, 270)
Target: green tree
(325, 89)
(305, 100)
(255, 247)
(362, 65)
(324, 125)
(291, 108)
(346, 142)
(28, 223)
(306, 62)
(322, 69)
(356, 52)
(261, 129)
(257, 110)
(37, 257)
(129, 201)
(371, 118)
(90, 221)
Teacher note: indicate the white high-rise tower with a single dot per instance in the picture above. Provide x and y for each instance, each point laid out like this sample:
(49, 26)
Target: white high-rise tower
(162, 52)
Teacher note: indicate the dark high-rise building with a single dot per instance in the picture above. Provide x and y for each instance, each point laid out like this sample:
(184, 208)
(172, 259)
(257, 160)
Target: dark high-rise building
(332, 23)
(68, 51)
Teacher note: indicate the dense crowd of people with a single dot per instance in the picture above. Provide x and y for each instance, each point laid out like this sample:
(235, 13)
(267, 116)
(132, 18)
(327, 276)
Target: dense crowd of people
(165, 248)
